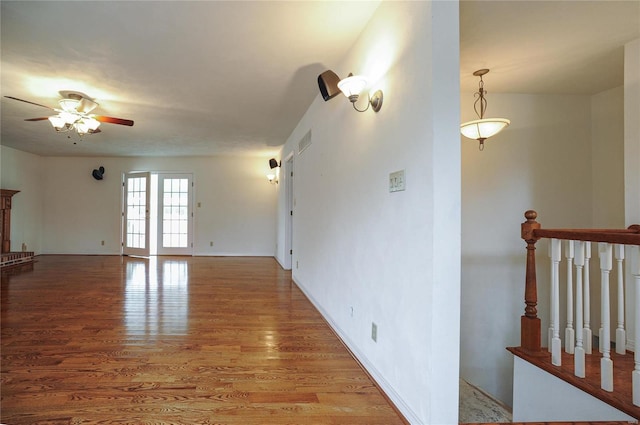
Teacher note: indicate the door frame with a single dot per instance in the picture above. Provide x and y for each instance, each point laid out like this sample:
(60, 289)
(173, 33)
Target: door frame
(289, 206)
(160, 250)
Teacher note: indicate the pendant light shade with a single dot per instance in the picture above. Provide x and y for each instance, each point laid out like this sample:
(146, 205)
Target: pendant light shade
(483, 128)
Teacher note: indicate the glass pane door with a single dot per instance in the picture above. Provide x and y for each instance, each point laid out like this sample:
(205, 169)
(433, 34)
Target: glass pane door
(136, 193)
(175, 217)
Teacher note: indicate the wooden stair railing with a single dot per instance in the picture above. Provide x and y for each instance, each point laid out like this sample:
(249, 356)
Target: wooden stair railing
(609, 240)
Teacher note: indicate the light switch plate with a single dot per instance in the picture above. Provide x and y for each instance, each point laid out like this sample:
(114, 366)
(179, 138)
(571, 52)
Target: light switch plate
(396, 181)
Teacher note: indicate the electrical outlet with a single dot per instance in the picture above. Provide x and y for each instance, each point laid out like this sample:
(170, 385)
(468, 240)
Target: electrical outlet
(374, 332)
(296, 264)
(211, 243)
(102, 243)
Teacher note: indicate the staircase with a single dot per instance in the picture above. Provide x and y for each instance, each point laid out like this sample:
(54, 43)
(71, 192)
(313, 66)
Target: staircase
(620, 399)
(604, 378)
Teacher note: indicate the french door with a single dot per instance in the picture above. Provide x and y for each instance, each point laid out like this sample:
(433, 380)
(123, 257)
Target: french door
(175, 214)
(137, 192)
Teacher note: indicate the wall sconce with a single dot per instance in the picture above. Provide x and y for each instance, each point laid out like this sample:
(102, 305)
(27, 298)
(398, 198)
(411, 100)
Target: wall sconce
(98, 173)
(273, 179)
(353, 85)
(483, 128)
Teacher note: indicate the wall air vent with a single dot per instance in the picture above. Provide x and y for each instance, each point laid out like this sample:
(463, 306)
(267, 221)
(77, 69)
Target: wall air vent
(305, 142)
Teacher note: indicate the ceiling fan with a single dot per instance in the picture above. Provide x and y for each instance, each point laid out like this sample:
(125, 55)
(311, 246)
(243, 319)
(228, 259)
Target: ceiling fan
(74, 114)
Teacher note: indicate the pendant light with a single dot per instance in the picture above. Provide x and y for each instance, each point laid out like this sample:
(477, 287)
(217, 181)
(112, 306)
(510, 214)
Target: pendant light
(483, 128)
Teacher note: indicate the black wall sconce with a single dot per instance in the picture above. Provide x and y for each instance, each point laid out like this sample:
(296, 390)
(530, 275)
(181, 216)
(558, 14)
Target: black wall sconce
(98, 173)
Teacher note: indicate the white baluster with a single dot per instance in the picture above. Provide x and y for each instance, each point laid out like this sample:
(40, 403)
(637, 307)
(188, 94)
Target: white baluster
(551, 294)
(634, 255)
(556, 357)
(606, 364)
(587, 336)
(579, 366)
(621, 334)
(569, 333)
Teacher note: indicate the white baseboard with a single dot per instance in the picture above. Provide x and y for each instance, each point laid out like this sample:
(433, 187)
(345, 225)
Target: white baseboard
(382, 383)
(231, 254)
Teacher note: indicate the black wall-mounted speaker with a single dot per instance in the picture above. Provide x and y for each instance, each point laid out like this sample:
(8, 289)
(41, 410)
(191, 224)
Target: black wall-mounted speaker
(98, 174)
(328, 84)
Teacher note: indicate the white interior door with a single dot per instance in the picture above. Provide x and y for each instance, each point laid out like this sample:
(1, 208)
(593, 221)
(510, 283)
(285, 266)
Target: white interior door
(288, 227)
(136, 194)
(175, 214)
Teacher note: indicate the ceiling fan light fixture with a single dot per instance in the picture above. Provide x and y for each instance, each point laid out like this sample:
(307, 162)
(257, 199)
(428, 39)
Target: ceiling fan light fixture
(57, 122)
(74, 114)
(91, 123)
(81, 128)
(68, 117)
(69, 105)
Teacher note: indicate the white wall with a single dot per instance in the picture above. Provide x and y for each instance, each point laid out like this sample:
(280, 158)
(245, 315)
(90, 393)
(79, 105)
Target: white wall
(632, 160)
(23, 171)
(77, 212)
(365, 255)
(632, 131)
(607, 134)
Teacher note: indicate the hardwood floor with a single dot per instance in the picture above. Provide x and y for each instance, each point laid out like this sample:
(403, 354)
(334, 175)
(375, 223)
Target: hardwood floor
(173, 340)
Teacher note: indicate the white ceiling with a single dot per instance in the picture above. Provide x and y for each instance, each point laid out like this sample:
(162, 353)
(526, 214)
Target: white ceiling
(197, 77)
(562, 46)
(235, 77)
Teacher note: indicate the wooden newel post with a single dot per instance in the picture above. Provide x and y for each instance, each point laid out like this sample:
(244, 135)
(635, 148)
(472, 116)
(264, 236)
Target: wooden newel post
(5, 218)
(530, 323)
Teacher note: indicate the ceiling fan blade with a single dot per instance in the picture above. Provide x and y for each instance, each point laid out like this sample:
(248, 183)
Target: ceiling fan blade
(112, 120)
(37, 119)
(26, 101)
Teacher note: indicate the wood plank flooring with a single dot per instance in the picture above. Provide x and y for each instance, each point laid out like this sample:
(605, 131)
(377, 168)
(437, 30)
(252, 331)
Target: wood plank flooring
(173, 340)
